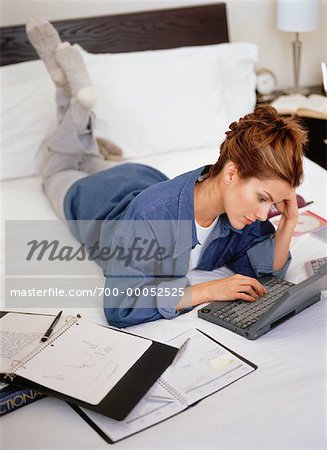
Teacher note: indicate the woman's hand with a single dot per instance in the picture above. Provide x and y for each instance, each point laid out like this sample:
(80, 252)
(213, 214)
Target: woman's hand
(288, 208)
(235, 287)
(285, 230)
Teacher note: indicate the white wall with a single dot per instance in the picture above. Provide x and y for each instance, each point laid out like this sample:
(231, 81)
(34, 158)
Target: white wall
(255, 21)
(249, 20)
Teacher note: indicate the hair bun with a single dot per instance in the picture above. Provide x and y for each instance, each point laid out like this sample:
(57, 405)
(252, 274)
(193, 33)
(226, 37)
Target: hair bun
(266, 113)
(232, 128)
(280, 124)
(264, 144)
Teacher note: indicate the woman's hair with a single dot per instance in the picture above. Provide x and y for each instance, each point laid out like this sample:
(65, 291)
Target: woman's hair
(264, 144)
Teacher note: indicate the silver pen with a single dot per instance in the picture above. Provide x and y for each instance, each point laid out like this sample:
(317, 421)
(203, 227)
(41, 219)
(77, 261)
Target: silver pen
(180, 352)
(160, 398)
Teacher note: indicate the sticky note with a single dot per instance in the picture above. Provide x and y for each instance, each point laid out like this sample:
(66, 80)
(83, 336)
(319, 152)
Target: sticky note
(221, 363)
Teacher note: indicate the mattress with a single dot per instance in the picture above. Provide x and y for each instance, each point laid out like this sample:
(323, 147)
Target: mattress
(23, 199)
(283, 395)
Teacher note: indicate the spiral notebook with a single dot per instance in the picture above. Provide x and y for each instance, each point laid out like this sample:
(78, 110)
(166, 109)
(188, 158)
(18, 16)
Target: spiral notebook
(100, 368)
(203, 367)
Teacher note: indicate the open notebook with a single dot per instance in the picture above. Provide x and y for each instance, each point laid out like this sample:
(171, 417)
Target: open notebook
(202, 368)
(97, 367)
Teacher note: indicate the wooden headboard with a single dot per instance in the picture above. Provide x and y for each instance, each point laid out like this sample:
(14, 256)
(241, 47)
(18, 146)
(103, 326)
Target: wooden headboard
(153, 30)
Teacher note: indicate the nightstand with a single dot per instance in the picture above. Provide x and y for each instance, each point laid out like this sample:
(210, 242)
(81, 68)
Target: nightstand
(317, 146)
(317, 129)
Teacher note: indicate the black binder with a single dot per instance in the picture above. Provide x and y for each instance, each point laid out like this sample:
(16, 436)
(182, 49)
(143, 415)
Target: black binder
(110, 440)
(124, 396)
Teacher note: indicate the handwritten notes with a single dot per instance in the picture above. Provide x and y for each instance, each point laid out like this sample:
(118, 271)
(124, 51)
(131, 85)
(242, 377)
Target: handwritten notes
(203, 368)
(81, 359)
(19, 333)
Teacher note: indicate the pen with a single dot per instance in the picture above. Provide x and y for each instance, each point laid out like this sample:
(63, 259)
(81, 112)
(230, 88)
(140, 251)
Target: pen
(180, 352)
(51, 327)
(160, 398)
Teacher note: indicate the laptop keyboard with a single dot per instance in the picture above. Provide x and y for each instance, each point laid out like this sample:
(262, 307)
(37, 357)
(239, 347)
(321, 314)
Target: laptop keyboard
(317, 263)
(243, 314)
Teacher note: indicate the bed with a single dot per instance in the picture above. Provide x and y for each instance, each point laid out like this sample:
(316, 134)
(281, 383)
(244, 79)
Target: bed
(205, 81)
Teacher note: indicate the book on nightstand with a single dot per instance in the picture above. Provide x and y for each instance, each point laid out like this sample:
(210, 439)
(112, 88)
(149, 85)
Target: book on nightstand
(314, 105)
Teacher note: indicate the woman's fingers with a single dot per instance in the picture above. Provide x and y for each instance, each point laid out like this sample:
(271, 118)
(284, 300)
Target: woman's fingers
(236, 287)
(246, 297)
(255, 284)
(250, 291)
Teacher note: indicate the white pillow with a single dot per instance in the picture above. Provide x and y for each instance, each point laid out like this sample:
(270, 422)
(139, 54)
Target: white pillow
(218, 79)
(27, 116)
(238, 77)
(149, 102)
(161, 101)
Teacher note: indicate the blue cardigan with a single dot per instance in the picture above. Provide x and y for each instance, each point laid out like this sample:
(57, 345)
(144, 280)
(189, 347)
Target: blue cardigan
(142, 227)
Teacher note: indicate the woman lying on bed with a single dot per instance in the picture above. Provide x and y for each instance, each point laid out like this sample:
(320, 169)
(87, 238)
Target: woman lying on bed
(145, 231)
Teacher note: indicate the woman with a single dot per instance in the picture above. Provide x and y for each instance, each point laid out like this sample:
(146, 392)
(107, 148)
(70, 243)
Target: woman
(145, 231)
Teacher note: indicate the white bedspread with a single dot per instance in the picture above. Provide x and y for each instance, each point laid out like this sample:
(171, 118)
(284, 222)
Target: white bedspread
(281, 405)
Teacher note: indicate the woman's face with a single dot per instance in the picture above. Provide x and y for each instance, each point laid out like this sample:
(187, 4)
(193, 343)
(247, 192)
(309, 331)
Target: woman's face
(248, 200)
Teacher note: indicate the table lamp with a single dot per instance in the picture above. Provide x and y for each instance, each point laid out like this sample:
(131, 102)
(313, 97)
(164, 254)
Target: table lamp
(297, 16)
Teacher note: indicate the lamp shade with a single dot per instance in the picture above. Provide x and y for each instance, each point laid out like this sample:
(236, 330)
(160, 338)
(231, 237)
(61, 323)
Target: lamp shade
(297, 15)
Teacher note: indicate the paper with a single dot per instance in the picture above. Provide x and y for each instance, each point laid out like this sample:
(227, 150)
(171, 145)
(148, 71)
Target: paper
(203, 368)
(222, 363)
(19, 334)
(85, 362)
(312, 106)
(307, 222)
(199, 354)
(321, 233)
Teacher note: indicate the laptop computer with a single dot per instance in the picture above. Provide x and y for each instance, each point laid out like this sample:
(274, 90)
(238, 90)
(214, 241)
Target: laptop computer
(313, 265)
(283, 301)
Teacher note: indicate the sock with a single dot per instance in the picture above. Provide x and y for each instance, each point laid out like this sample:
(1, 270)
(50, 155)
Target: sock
(109, 150)
(81, 116)
(45, 39)
(62, 102)
(73, 65)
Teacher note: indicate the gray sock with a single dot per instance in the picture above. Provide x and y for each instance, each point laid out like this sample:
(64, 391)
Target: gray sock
(45, 39)
(73, 65)
(62, 103)
(81, 115)
(109, 150)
